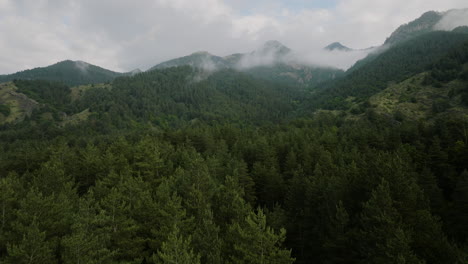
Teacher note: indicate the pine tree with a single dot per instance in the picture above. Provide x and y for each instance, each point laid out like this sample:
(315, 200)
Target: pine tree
(382, 238)
(460, 208)
(10, 191)
(176, 250)
(429, 241)
(337, 244)
(428, 183)
(169, 212)
(257, 243)
(34, 247)
(86, 243)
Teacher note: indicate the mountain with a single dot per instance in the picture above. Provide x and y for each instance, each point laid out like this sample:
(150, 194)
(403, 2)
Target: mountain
(202, 59)
(337, 46)
(428, 22)
(69, 72)
(272, 61)
(270, 52)
(395, 64)
(272, 48)
(423, 24)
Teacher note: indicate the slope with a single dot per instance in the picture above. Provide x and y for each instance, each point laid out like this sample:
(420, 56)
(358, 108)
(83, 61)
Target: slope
(167, 97)
(398, 63)
(68, 72)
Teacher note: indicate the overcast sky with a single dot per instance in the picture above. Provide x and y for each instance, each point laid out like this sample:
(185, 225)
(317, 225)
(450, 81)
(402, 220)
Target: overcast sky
(126, 34)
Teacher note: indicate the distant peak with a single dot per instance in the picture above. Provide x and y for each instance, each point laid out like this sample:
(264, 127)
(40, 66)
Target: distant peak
(204, 53)
(273, 43)
(337, 46)
(75, 62)
(274, 46)
(81, 62)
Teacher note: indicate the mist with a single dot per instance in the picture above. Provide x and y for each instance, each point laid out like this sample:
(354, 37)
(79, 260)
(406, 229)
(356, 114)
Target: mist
(143, 33)
(315, 57)
(82, 66)
(453, 19)
(335, 59)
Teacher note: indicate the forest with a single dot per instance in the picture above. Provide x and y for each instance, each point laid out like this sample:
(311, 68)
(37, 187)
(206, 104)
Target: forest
(179, 166)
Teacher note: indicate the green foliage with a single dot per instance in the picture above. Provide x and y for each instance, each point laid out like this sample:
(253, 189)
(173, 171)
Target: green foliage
(33, 248)
(258, 243)
(53, 94)
(174, 96)
(176, 250)
(5, 110)
(309, 77)
(382, 238)
(450, 66)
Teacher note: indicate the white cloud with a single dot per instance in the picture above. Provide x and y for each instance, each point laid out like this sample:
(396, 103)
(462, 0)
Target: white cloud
(123, 35)
(453, 19)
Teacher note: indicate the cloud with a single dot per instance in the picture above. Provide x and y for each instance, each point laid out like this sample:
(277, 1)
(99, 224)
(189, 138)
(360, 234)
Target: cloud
(82, 66)
(123, 35)
(453, 19)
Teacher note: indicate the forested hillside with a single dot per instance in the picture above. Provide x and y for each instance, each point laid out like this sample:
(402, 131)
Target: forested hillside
(185, 165)
(393, 65)
(68, 72)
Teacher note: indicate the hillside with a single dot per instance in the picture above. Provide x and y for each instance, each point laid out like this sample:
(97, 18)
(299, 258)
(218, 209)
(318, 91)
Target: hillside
(414, 100)
(172, 96)
(392, 65)
(14, 105)
(68, 72)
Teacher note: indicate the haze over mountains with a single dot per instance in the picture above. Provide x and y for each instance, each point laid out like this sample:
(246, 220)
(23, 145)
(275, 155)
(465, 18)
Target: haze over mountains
(271, 53)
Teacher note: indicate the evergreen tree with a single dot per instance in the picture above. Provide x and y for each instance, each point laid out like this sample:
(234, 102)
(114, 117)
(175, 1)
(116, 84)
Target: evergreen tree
(460, 208)
(431, 190)
(258, 243)
(382, 238)
(176, 250)
(87, 243)
(34, 247)
(337, 244)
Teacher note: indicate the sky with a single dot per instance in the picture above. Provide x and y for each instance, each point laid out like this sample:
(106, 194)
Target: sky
(123, 35)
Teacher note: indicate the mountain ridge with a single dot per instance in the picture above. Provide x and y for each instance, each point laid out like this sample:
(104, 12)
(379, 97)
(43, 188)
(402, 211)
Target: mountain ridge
(70, 72)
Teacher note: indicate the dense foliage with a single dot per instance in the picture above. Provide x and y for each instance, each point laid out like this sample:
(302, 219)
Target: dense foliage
(370, 191)
(309, 77)
(177, 95)
(53, 94)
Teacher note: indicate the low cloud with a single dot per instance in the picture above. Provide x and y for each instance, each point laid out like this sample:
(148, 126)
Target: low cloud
(123, 35)
(337, 59)
(82, 66)
(314, 57)
(453, 19)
